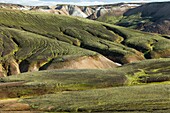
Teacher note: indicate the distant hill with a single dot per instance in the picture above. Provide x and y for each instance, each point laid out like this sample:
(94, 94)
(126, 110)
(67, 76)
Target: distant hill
(91, 12)
(151, 17)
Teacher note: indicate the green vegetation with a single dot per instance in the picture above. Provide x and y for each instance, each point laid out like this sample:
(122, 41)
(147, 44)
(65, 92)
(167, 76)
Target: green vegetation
(133, 21)
(80, 32)
(151, 45)
(33, 47)
(31, 41)
(141, 86)
(137, 87)
(135, 98)
(148, 18)
(31, 51)
(53, 81)
(116, 43)
(108, 18)
(148, 71)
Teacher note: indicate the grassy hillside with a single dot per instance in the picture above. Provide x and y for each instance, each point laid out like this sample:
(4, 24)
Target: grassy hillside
(84, 33)
(137, 87)
(151, 17)
(105, 39)
(60, 55)
(24, 51)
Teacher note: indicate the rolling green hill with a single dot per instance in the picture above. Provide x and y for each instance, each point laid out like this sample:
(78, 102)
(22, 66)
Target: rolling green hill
(68, 64)
(117, 43)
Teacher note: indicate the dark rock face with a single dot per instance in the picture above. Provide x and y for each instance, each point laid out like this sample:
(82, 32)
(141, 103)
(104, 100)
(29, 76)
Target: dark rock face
(157, 11)
(161, 27)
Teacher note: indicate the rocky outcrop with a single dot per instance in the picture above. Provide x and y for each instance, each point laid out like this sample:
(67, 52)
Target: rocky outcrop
(87, 10)
(101, 12)
(9, 67)
(14, 6)
(13, 67)
(76, 11)
(91, 12)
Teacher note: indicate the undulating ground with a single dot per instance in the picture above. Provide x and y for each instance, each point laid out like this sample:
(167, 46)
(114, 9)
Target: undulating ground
(56, 63)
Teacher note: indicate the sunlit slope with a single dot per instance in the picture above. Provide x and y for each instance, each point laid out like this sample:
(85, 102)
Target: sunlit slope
(23, 51)
(117, 43)
(84, 33)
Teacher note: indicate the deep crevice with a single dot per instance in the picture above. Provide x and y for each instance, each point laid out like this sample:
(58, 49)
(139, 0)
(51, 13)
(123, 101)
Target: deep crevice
(14, 40)
(45, 66)
(167, 37)
(117, 32)
(95, 35)
(146, 79)
(23, 66)
(143, 50)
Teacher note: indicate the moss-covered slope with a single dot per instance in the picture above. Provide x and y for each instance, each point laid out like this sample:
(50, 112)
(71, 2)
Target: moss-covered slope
(23, 51)
(137, 87)
(36, 39)
(87, 34)
(84, 33)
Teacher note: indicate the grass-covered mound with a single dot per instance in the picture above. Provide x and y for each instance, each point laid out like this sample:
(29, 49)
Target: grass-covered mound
(148, 71)
(57, 33)
(52, 81)
(146, 98)
(137, 87)
(31, 51)
(151, 45)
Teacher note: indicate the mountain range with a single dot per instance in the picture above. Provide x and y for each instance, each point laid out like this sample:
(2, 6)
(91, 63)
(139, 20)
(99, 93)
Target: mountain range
(92, 12)
(141, 16)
